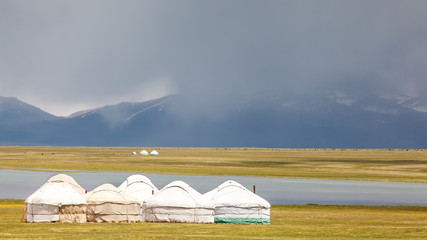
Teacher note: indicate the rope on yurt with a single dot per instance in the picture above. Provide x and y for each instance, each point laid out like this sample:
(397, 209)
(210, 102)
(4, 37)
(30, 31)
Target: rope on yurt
(258, 210)
(126, 206)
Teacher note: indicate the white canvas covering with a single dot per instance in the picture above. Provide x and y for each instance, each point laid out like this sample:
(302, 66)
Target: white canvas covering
(107, 203)
(154, 153)
(67, 179)
(144, 153)
(139, 187)
(236, 204)
(178, 202)
(55, 202)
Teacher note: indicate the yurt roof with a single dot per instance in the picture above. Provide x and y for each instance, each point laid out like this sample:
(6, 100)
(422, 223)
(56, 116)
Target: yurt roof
(154, 152)
(143, 152)
(137, 179)
(179, 194)
(139, 187)
(56, 193)
(67, 179)
(231, 193)
(109, 193)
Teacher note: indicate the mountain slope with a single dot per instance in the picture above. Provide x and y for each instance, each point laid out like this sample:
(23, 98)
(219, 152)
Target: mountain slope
(14, 111)
(326, 120)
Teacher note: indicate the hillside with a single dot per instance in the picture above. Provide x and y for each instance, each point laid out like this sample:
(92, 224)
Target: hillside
(327, 120)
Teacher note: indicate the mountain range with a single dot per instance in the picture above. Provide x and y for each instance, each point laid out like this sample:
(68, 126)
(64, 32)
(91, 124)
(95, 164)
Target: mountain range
(332, 119)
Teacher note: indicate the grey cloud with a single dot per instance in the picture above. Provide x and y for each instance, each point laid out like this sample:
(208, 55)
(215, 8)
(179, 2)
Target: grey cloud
(67, 54)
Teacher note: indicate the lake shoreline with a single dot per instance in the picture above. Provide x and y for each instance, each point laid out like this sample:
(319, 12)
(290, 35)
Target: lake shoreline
(91, 171)
(282, 191)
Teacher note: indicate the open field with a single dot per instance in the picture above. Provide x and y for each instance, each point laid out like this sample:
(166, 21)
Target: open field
(287, 222)
(374, 165)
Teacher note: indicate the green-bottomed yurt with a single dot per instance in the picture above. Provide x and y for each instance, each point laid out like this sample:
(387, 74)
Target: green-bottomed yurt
(235, 204)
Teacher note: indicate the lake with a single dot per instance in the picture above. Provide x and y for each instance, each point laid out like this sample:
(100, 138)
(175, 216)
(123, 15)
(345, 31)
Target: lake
(19, 184)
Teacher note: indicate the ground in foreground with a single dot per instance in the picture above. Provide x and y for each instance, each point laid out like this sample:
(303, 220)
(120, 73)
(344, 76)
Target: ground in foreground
(287, 222)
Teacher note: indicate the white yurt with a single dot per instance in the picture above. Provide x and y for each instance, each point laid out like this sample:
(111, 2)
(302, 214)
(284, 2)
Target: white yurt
(143, 153)
(236, 204)
(55, 202)
(107, 203)
(139, 187)
(178, 202)
(67, 179)
(154, 153)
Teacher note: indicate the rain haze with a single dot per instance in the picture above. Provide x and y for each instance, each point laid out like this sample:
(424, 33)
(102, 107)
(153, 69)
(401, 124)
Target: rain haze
(66, 56)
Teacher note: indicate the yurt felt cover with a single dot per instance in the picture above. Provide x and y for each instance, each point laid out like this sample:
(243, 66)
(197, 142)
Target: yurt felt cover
(235, 204)
(107, 203)
(178, 202)
(55, 201)
(67, 179)
(139, 187)
(144, 153)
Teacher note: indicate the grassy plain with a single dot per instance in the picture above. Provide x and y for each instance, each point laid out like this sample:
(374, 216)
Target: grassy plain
(287, 222)
(361, 164)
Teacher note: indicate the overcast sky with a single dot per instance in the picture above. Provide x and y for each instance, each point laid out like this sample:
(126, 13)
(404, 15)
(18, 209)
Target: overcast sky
(65, 56)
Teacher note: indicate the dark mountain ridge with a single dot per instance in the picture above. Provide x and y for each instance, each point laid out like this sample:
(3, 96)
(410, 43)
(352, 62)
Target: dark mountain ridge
(14, 111)
(326, 120)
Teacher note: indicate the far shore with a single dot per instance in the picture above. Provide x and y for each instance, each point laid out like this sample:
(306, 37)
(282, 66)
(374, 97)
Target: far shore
(390, 165)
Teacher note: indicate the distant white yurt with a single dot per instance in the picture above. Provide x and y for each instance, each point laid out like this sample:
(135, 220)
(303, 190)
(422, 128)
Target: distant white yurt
(154, 153)
(236, 204)
(55, 202)
(133, 153)
(139, 187)
(178, 202)
(107, 203)
(143, 153)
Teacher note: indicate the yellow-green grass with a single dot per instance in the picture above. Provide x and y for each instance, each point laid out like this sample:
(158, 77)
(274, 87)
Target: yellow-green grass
(361, 164)
(287, 222)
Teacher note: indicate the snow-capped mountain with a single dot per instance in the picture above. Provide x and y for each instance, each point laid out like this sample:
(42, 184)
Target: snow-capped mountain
(14, 111)
(333, 119)
(123, 112)
(415, 103)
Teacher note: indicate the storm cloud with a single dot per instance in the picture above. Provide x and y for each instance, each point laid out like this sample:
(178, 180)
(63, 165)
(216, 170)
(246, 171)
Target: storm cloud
(65, 56)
